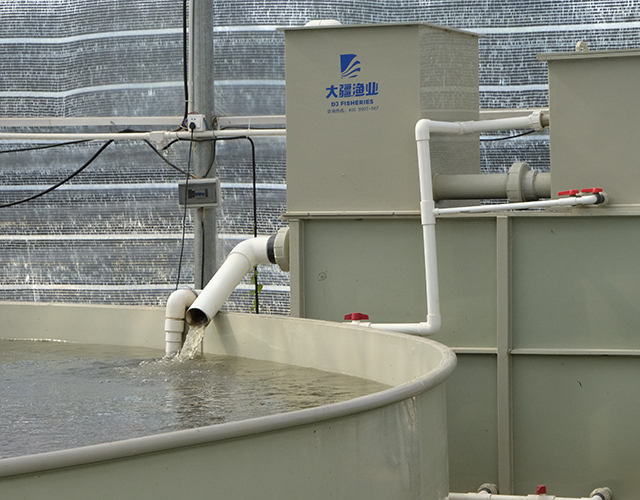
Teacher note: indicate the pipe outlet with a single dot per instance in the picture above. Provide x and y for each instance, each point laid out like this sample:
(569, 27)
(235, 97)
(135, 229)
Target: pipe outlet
(247, 254)
(174, 325)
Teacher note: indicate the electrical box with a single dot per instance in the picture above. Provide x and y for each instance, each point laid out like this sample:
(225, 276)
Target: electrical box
(196, 122)
(594, 107)
(198, 193)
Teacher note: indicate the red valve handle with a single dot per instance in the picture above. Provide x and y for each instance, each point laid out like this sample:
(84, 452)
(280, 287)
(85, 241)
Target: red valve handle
(570, 192)
(356, 316)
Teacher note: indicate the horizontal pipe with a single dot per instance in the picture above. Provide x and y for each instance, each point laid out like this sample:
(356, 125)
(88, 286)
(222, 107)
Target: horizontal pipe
(89, 121)
(488, 496)
(223, 121)
(469, 186)
(532, 121)
(597, 494)
(492, 114)
(592, 199)
(156, 136)
(542, 184)
(488, 186)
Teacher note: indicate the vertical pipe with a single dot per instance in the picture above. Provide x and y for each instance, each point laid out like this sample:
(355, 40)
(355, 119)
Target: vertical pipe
(205, 226)
(428, 220)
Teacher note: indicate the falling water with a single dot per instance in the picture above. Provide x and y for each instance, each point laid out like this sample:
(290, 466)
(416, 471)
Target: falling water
(191, 343)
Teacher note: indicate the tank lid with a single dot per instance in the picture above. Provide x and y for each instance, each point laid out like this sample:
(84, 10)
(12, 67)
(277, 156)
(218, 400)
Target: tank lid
(316, 26)
(589, 54)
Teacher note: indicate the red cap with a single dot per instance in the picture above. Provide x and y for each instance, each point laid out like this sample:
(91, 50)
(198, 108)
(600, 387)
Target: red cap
(356, 316)
(592, 190)
(541, 490)
(570, 192)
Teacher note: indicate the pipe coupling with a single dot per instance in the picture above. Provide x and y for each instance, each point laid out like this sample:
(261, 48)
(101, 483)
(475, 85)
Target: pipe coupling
(525, 184)
(281, 249)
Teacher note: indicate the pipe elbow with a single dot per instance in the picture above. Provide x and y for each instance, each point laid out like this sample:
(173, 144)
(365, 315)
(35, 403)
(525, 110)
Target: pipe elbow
(423, 130)
(424, 329)
(175, 312)
(244, 256)
(177, 304)
(253, 249)
(431, 326)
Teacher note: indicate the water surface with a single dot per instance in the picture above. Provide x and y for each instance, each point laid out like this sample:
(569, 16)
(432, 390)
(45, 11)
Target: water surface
(57, 395)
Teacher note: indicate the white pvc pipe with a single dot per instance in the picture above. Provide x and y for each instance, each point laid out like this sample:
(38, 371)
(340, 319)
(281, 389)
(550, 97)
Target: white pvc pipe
(482, 495)
(590, 199)
(423, 131)
(427, 205)
(177, 305)
(531, 121)
(239, 262)
(156, 136)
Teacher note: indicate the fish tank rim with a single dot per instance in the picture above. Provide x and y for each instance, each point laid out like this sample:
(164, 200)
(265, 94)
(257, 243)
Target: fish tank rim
(175, 440)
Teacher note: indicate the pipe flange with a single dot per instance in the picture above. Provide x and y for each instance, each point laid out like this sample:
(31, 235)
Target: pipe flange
(535, 121)
(490, 488)
(281, 249)
(603, 493)
(515, 178)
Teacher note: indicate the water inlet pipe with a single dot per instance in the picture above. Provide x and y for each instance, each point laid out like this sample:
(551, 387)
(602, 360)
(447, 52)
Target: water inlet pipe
(423, 130)
(250, 252)
(597, 494)
(177, 304)
(580, 199)
(428, 220)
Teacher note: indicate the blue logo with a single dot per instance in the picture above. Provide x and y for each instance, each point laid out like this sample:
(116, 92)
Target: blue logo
(349, 65)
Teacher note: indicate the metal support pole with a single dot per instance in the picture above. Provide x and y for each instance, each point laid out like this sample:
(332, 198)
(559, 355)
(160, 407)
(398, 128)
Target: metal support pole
(205, 227)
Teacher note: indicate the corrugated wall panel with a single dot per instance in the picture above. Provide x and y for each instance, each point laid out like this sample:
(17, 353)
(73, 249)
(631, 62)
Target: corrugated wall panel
(122, 58)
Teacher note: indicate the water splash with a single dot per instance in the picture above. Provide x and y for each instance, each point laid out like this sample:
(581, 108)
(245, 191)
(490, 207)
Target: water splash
(191, 343)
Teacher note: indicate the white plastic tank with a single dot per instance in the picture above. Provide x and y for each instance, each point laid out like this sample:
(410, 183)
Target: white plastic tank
(390, 444)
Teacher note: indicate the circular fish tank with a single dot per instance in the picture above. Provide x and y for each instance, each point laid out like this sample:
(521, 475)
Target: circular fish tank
(388, 444)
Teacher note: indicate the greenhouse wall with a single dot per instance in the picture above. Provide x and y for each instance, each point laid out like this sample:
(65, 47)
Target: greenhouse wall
(114, 233)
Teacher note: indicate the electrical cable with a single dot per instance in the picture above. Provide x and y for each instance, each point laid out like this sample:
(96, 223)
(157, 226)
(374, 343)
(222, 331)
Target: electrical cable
(185, 57)
(169, 145)
(153, 148)
(213, 159)
(255, 220)
(184, 214)
(213, 155)
(35, 148)
(507, 137)
(66, 179)
(255, 202)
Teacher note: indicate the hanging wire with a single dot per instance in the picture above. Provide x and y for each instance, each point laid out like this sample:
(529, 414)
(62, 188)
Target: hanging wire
(506, 138)
(257, 286)
(161, 156)
(184, 213)
(254, 278)
(35, 148)
(57, 185)
(185, 61)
